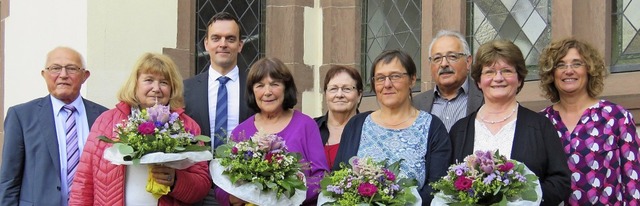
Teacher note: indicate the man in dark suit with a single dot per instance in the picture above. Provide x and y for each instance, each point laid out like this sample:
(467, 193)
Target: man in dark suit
(40, 150)
(223, 44)
(455, 94)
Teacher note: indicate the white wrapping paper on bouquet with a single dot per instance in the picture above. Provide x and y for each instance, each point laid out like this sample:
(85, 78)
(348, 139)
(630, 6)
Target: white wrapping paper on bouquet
(250, 192)
(324, 199)
(442, 199)
(179, 161)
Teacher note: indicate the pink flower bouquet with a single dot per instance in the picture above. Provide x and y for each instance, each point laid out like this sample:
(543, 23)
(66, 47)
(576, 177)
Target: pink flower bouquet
(487, 178)
(368, 182)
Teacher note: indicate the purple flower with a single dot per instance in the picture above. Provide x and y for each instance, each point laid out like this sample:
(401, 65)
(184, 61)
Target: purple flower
(159, 113)
(173, 117)
(487, 180)
(248, 155)
(506, 181)
(459, 172)
(335, 189)
(146, 128)
(367, 189)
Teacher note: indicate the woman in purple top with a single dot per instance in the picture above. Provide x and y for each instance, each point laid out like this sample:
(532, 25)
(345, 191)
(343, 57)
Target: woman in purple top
(599, 137)
(272, 94)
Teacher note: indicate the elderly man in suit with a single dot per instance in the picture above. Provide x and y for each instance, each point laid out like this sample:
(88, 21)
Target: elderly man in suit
(216, 98)
(455, 94)
(44, 138)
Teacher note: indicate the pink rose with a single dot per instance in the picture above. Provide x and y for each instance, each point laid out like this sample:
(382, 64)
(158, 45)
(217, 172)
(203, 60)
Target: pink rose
(463, 183)
(367, 189)
(390, 175)
(234, 150)
(146, 128)
(506, 166)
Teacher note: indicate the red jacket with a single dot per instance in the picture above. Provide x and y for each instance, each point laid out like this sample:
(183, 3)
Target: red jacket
(98, 182)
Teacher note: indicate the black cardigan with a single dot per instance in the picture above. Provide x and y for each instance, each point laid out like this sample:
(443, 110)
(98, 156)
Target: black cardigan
(436, 160)
(535, 143)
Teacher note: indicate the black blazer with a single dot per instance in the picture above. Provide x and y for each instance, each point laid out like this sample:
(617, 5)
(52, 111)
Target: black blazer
(30, 173)
(197, 102)
(535, 143)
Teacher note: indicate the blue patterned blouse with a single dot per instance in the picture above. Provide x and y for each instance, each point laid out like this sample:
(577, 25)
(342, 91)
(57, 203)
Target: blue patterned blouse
(409, 144)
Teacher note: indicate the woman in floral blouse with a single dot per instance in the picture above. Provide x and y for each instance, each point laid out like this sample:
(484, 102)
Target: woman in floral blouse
(599, 137)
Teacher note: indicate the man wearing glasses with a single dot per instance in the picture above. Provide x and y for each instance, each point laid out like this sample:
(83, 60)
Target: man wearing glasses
(44, 138)
(455, 95)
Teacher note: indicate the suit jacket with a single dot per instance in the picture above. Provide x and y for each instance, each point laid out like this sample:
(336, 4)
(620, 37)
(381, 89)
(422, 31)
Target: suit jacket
(424, 100)
(196, 98)
(535, 144)
(30, 173)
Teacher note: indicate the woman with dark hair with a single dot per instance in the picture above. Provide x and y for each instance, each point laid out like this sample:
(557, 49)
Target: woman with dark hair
(271, 92)
(342, 94)
(599, 137)
(398, 130)
(504, 125)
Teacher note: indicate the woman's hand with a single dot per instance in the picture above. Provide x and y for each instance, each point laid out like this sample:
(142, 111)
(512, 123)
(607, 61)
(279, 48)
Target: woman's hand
(164, 175)
(234, 201)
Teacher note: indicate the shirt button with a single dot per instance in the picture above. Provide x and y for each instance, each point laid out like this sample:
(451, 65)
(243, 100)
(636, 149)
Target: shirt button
(447, 117)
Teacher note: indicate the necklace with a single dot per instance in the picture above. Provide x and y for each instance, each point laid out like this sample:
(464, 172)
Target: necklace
(393, 125)
(503, 119)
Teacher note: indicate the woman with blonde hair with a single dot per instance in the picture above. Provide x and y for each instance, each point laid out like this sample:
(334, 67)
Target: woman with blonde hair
(154, 80)
(599, 136)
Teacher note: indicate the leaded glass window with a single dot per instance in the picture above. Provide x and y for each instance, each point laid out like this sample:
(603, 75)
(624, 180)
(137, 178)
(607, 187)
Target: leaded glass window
(625, 55)
(525, 22)
(250, 13)
(390, 24)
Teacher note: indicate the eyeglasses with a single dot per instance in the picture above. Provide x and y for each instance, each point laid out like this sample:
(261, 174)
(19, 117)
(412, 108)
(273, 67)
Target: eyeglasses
(504, 72)
(451, 57)
(71, 69)
(346, 90)
(573, 66)
(395, 77)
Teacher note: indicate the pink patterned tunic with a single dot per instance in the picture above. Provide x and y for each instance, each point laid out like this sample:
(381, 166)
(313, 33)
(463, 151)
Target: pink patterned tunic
(603, 155)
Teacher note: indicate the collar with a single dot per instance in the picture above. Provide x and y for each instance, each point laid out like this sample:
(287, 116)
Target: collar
(58, 104)
(234, 74)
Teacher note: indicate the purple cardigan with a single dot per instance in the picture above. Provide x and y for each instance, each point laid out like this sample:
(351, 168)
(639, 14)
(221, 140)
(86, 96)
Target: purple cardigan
(302, 136)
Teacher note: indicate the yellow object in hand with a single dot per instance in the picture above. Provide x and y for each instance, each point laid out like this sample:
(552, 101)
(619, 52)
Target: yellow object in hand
(155, 188)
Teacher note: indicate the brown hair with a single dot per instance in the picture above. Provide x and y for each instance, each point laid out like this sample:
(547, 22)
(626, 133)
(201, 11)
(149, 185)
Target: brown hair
(337, 69)
(274, 68)
(150, 63)
(556, 51)
(495, 50)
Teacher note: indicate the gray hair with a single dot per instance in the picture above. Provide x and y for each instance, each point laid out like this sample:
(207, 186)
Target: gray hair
(443, 33)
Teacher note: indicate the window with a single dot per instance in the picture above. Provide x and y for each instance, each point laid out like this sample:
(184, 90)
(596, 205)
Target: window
(525, 22)
(625, 50)
(390, 24)
(250, 13)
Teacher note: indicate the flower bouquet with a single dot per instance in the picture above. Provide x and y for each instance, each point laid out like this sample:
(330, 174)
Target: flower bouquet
(488, 178)
(260, 171)
(367, 182)
(155, 136)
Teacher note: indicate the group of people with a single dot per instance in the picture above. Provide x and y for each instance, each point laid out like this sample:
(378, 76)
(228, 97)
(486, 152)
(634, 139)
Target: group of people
(584, 150)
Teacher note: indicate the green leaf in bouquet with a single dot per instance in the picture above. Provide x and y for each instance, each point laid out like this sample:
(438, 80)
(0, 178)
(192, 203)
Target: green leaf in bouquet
(223, 151)
(531, 177)
(271, 185)
(179, 148)
(203, 138)
(136, 162)
(196, 148)
(530, 195)
(124, 148)
(395, 167)
(258, 185)
(107, 140)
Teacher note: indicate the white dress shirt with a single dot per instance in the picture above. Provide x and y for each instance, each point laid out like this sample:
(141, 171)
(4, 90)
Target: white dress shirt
(233, 102)
(82, 127)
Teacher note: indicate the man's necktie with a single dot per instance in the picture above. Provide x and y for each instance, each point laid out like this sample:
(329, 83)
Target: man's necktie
(73, 154)
(221, 113)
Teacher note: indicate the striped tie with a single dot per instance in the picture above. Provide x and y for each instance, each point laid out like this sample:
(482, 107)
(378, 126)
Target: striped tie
(73, 155)
(221, 112)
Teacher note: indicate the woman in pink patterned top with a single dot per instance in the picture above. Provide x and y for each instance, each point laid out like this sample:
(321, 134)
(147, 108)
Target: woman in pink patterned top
(599, 137)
